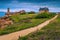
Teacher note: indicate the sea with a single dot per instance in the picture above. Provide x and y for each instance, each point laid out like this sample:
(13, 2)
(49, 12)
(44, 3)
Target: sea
(2, 14)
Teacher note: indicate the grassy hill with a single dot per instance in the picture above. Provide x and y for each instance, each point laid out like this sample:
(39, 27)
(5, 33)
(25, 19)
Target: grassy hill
(49, 32)
(25, 21)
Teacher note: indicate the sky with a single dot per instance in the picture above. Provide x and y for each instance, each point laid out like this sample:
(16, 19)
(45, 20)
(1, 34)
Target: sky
(29, 5)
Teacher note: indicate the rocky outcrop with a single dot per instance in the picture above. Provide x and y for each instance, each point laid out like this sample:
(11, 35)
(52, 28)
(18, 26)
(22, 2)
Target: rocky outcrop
(4, 22)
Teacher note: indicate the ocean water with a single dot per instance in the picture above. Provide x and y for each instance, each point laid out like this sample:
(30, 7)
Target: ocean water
(2, 14)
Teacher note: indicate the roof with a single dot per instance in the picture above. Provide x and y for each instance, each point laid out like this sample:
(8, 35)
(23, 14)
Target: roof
(45, 8)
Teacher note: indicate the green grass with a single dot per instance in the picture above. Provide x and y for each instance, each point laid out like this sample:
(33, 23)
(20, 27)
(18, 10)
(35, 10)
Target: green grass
(45, 15)
(49, 32)
(18, 17)
(22, 22)
(21, 26)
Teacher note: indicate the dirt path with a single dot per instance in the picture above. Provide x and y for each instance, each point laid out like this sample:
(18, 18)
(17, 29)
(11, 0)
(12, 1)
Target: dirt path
(14, 36)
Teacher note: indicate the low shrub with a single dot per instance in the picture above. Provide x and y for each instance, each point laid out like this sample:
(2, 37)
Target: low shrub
(32, 12)
(22, 13)
(45, 15)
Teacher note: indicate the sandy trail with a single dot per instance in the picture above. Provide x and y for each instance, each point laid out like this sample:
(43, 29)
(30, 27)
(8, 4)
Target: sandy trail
(15, 35)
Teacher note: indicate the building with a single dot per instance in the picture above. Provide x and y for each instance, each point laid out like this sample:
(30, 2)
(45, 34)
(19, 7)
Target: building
(8, 12)
(42, 10)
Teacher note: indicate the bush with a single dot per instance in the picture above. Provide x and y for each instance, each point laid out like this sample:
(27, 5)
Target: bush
(45, 15)
(23, 13)
(32, 12)
(52, 14)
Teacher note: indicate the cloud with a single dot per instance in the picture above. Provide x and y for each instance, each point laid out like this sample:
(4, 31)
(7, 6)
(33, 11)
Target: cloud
(54, 9)
(3, 10)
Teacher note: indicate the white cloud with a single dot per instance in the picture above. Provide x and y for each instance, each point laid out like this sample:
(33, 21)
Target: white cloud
(54, 9)
(3, 10)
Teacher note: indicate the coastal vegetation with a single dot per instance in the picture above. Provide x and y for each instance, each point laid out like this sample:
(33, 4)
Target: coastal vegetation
(45, 15)
(49, 32)
(24, 21)
(32, 12)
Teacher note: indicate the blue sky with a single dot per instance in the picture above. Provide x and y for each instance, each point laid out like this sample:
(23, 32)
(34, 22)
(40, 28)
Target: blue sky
(29, 5)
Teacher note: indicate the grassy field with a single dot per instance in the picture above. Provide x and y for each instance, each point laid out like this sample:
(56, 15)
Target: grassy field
(49, 32)
(17, 18)
(23, 22)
